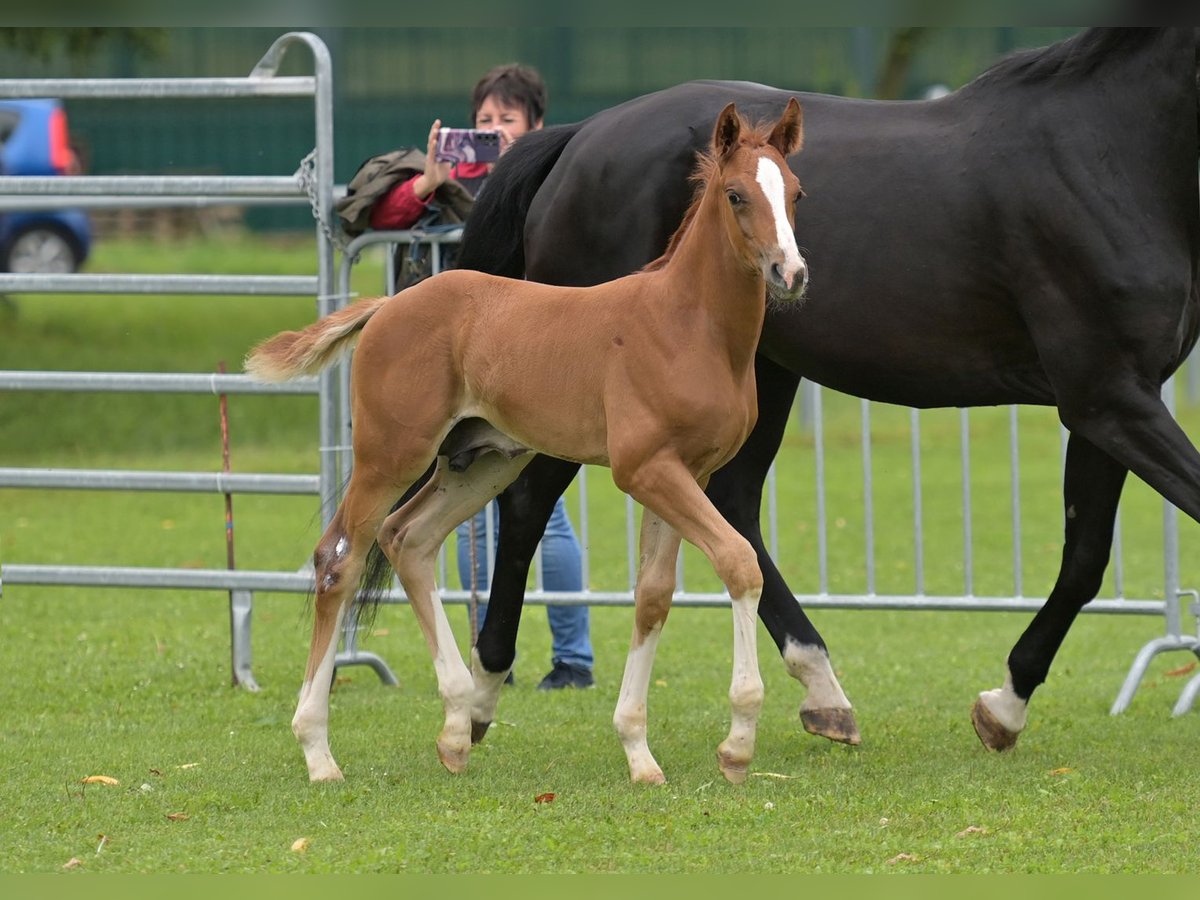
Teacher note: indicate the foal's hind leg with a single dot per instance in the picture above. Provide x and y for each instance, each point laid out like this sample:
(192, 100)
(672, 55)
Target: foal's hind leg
(525, 508)
(411, 537)
(339, 563)
(652, 597)
(667, 487)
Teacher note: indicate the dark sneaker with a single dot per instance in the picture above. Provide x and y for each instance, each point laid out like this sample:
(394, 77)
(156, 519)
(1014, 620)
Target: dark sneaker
(565, 675)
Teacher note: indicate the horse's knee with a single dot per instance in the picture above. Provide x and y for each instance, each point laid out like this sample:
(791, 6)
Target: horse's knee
(737, 566)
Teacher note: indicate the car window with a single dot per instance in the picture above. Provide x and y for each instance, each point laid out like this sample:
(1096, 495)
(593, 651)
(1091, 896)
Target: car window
(8, 124)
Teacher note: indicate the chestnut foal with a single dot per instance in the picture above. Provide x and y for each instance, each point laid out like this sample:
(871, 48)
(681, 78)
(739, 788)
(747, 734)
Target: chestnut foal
(651, 375)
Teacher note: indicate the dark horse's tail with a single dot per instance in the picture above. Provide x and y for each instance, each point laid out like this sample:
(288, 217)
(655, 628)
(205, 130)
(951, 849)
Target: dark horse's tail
(493, 241)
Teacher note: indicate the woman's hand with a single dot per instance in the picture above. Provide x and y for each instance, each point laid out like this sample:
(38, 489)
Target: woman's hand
(436, 173)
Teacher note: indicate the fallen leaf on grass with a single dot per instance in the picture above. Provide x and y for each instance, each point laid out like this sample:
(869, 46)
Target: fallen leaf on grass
(660, 682)
(188, 766)
(1182, 670)
(772, 775)
(157, 772)
(178, 817)
(1065, 770)
(342, 679)
(901, 857)
(98, 779)
(73, 863)
(547, 797)
(380, 632)
(971, 829)
(299, 845)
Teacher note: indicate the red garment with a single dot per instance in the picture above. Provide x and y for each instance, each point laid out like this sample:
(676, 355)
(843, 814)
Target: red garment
(400, 207)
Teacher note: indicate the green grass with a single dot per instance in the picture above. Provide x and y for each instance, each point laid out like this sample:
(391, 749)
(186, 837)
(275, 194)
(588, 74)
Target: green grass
(134, 684)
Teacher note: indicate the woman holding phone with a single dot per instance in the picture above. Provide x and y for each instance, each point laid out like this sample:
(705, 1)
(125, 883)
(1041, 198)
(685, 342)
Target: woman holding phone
(510, 99)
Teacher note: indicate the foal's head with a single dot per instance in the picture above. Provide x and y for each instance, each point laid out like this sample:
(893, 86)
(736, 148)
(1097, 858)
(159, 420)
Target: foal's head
(749, 166)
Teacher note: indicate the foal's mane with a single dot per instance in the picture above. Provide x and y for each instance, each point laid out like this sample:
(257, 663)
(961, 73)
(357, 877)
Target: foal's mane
(707, 167)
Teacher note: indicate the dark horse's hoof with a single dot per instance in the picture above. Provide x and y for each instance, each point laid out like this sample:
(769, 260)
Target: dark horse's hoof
(993, 734)
(835, 724)
(478, 730)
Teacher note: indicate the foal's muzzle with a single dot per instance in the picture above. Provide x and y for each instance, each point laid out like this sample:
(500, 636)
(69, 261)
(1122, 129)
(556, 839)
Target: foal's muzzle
(787, 281)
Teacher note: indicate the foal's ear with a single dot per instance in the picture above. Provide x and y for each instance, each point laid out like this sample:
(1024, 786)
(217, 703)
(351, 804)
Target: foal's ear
(788, 134)
(729, 127)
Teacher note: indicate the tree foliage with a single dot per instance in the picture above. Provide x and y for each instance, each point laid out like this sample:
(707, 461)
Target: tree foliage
(81, 43)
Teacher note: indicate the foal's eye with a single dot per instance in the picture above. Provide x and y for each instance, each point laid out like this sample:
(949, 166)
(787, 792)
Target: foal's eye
(735, 199)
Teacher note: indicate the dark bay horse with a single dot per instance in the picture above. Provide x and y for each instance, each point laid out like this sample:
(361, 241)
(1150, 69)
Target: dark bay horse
(651, 374)
(1031, 238)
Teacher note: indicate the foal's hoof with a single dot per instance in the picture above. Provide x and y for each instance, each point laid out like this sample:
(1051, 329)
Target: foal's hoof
(453, 756)
(993, 734)
(834, 723)
(326, 776)
(478, 730)
(735, 772)
(648, 776)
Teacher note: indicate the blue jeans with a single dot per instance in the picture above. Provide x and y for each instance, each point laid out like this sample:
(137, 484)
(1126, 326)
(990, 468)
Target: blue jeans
(570, 639)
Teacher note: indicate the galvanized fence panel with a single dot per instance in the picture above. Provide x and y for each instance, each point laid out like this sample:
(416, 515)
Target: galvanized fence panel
(315, 185)
(311, 185)
(820, 592)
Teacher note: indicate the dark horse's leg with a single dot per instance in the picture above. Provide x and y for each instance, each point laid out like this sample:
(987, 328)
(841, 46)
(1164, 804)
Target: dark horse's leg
(525, 508)
(1091, 490)
(736, 491)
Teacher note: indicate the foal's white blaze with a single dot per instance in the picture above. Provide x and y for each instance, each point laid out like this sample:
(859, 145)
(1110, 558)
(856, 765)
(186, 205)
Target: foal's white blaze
(1003, 703)
(809, 665)
(770, 179)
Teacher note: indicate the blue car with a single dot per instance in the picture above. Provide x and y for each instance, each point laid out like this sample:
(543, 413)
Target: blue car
(33, 141)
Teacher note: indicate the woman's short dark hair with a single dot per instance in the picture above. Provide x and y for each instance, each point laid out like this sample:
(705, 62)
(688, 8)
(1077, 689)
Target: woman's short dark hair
(513, 85)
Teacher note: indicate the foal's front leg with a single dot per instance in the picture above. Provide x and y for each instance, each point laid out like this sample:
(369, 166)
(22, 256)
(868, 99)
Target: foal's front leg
(667, 487)
(652, 598)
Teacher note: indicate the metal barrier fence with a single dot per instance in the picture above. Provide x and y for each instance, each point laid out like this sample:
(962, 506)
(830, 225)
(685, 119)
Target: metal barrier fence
(316, 187)
(811, 414)
(312, 185)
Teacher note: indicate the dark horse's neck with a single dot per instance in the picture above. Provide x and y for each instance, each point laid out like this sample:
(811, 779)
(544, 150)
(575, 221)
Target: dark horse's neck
(1148, 79)
(1092, 54)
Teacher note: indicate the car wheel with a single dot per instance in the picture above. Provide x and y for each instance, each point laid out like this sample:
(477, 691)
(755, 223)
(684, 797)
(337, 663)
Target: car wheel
(42, 248)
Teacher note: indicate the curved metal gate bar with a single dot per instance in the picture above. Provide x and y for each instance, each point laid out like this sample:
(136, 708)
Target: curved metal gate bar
(189, 190)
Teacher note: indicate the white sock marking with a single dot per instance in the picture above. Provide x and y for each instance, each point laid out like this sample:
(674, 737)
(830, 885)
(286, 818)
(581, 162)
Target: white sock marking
(809, 664)
(1003, 703)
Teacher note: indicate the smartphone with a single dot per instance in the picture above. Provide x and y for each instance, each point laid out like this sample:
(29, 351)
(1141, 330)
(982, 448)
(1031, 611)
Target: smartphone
(471, 145)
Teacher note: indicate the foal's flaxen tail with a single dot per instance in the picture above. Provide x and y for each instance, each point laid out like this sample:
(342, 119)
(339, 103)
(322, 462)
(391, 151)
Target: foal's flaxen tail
(291, 354)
